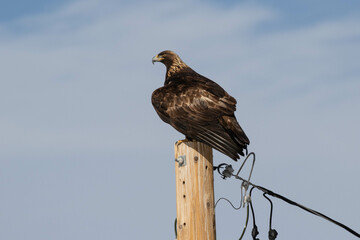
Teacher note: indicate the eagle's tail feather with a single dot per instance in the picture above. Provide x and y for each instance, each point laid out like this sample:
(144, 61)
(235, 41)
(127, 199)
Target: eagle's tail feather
(222, 143)
(221, 148)
(232, 127)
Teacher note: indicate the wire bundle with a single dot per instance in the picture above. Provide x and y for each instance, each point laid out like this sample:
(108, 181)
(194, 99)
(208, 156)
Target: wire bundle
(247, 201)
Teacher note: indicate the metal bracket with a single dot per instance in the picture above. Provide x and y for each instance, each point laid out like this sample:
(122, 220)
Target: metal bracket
(181, 160)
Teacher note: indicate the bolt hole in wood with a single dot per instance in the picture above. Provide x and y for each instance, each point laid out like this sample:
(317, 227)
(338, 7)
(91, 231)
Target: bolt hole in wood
(184, 196)
(196, 158)
(183, 182)
(184, 224)
(206, 167)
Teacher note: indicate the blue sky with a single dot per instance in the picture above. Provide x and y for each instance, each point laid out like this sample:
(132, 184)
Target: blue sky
(11, 10)
(84, 155)
(298, 11)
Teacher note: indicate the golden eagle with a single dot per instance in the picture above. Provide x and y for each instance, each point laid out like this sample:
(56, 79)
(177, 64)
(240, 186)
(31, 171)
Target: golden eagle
(198, 107)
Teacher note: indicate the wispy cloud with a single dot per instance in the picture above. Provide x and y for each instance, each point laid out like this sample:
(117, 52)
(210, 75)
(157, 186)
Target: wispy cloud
(77, 81)
(75, 69)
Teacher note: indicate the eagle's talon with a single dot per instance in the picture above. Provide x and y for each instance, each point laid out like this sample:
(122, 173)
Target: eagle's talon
(182, 141)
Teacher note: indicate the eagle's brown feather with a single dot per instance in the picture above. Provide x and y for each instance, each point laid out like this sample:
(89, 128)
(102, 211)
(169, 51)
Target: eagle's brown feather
(199, 108)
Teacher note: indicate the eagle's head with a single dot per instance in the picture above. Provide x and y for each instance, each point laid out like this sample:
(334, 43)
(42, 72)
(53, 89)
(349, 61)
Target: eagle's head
(168, 58)
(172, 61)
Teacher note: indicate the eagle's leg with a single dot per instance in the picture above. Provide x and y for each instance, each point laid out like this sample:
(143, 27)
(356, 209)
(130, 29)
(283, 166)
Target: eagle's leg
(187, 139)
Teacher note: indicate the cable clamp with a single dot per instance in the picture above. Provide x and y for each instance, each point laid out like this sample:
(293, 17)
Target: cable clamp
(228, 172)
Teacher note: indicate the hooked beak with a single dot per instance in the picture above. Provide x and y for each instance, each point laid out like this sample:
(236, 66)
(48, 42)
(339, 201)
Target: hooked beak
(157, 59)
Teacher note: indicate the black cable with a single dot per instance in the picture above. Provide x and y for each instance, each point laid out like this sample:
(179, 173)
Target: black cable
(254, 231)
(175, 228)
(271, 193)
(219, 167)
(252, 209)
(271, 210)
(272, 232)
(228, 172)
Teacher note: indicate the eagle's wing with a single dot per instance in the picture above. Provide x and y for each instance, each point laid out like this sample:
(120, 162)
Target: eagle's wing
(203, 113)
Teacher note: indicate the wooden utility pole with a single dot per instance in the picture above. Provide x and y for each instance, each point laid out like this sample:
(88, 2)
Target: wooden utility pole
(195, 208)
